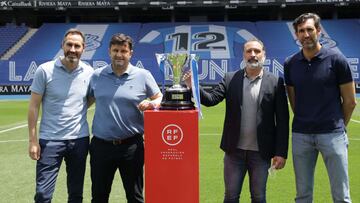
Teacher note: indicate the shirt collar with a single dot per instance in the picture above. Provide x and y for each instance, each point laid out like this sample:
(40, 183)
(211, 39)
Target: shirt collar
(320, 55)
(60, 65)
(128, 71)
(258, 76)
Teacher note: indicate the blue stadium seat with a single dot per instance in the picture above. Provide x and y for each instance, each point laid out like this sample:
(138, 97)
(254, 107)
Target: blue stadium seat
(10, 34)
(45, 44)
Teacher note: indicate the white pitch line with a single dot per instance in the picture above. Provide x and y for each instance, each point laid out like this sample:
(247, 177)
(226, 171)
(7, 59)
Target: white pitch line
(355, 121)
(13, 128)
(25, 125)
(92, 108)
(7, 141)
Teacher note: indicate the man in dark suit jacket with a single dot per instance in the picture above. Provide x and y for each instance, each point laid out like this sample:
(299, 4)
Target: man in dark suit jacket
(256, 126)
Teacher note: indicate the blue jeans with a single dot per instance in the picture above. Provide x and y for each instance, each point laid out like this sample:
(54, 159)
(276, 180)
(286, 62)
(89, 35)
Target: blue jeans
(334, 150)
(74, 152)
(235, 167)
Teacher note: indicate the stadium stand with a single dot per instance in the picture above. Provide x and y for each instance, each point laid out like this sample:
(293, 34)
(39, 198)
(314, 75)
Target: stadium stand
(343, 35)
(10, 34)
(161, 37)
(217, 44)
(45, 44)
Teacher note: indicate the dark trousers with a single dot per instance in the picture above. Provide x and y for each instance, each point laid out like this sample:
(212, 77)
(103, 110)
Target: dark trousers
(106, 158)
(74, 152)
(236, 165)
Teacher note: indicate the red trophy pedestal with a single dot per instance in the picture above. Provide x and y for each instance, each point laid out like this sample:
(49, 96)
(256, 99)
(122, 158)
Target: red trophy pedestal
(171, 156)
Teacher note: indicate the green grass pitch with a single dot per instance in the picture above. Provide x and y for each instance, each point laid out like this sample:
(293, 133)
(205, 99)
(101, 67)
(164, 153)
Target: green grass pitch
(17, 170)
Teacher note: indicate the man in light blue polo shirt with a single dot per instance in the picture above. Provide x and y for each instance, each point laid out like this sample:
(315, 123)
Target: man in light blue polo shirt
(60, 86)
(121, 92)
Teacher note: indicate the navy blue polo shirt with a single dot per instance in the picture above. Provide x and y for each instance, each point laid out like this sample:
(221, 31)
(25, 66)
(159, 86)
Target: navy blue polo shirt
(317, 93)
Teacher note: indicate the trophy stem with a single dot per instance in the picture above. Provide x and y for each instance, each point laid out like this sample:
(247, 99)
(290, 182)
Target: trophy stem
(177, 72)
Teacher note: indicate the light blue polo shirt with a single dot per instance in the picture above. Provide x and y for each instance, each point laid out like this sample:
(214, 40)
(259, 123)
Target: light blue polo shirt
(64, 100)
(116, 113)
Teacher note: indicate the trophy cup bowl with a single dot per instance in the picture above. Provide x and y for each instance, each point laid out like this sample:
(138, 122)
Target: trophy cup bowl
(177, 97)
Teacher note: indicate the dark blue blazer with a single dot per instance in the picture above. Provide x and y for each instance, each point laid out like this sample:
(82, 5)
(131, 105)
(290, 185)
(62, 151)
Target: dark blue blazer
(272, 117)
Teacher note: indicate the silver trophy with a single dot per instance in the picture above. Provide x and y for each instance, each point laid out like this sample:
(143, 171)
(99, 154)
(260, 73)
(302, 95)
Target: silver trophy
(177, 97)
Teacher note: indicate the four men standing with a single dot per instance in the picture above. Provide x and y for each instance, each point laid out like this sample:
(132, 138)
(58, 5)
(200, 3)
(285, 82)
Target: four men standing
(256, 122)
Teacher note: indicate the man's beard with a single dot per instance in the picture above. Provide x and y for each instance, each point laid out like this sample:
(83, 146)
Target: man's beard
(255, 64)
(311, 45)
(72, 58)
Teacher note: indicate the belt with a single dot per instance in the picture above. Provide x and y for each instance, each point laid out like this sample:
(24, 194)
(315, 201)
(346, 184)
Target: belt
(119, 141)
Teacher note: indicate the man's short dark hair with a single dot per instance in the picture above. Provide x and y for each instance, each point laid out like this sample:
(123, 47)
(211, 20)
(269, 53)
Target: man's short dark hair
(255, 40)
(74, 31)
(121, 39)
(303, 17)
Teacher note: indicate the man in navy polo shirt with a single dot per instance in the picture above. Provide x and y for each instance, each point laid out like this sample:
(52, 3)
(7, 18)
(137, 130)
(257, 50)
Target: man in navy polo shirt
(121, 93)
(60, 86)
(322, 96)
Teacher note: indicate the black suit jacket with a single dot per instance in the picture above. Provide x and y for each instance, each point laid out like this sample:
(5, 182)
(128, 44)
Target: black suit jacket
(272, 116)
